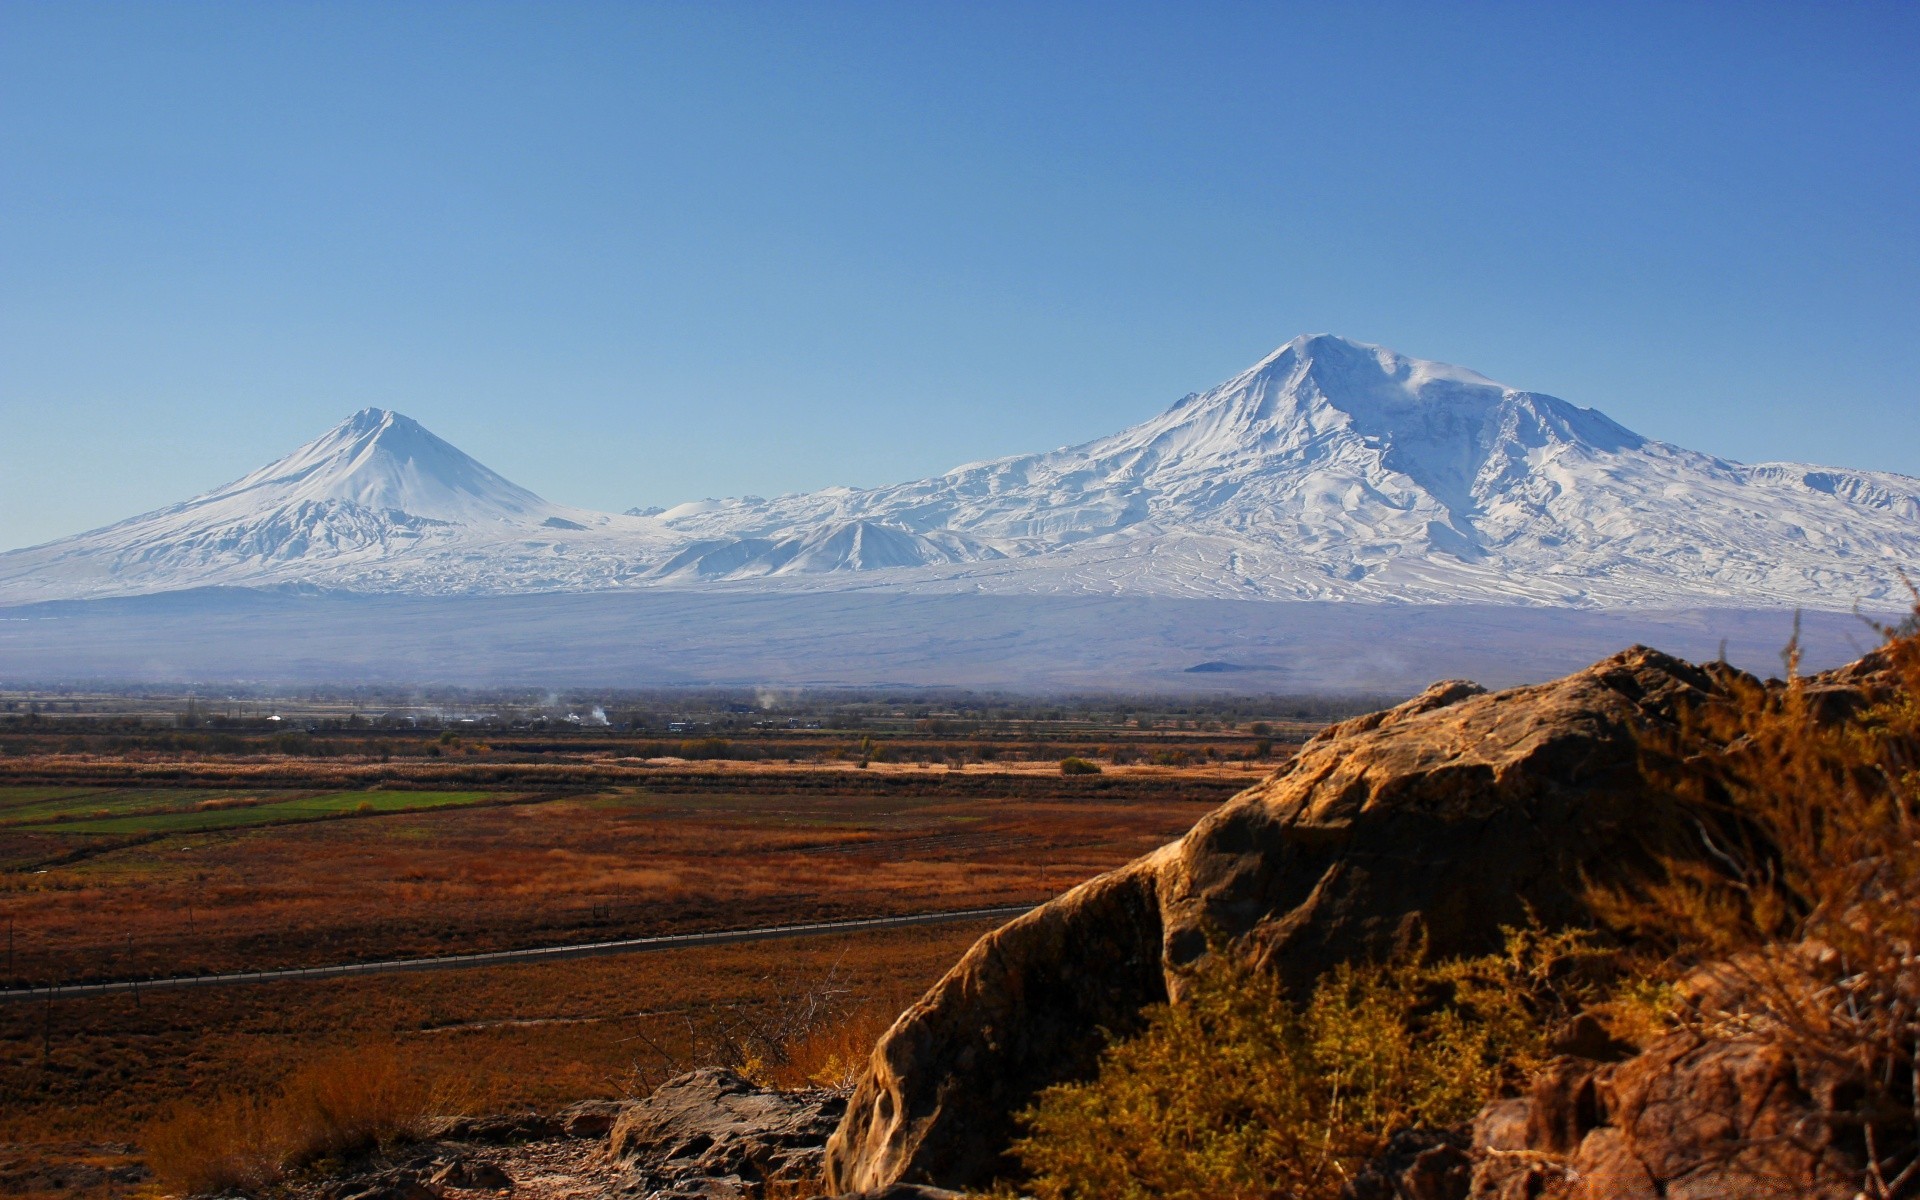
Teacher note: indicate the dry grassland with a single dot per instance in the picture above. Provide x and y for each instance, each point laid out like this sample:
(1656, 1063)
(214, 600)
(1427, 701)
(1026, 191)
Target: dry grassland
(83, 1075)
(137, 868)
(567, 869)
(712, 847)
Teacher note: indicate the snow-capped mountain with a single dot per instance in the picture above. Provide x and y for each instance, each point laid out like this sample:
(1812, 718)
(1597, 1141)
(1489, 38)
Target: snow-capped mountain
(377, 503)
(1333, 469)
(1329, 470)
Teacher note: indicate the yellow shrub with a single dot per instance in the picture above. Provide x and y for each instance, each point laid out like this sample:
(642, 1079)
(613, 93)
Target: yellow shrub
(1237, 1093)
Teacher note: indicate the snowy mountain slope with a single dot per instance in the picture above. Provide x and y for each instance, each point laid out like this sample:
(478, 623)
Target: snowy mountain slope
(1333, 469)
(1330, 470)
(377, 503)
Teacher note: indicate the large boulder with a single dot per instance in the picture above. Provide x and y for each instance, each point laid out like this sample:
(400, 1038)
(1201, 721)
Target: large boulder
(1441, 819)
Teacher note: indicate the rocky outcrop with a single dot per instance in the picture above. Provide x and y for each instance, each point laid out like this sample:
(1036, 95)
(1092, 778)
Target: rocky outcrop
(713, 1133)
(1441, 819)
(1687, 1119)
(589, 1118)
(1418, 1164)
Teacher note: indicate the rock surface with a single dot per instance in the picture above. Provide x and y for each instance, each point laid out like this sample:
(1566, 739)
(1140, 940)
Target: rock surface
(1687, 1119)
(1441, 819)
(1419, 1164)
(708, 1135)
(713, 1133)
(589, 1118)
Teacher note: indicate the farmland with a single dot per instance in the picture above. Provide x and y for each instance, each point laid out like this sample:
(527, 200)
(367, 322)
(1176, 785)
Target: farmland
(136, 854)
(335, 877)
(158, 810)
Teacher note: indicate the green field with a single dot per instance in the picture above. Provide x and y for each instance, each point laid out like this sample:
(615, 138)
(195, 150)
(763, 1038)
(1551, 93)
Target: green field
(170, 810)
(38, 805)
(12, 797)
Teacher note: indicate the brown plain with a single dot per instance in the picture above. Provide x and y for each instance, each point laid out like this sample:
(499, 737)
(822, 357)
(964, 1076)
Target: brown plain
(695, 846)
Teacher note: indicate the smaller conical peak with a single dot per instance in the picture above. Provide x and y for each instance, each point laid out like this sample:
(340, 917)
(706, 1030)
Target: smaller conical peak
(384, 460)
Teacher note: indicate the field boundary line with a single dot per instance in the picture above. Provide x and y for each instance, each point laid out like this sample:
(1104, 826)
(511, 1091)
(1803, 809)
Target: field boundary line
(488, 958)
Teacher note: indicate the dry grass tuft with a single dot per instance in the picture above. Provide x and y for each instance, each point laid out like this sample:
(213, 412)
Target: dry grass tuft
(833, 1054)
(332, 1108)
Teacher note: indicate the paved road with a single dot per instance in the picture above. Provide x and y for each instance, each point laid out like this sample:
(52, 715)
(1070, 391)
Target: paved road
(448, 962)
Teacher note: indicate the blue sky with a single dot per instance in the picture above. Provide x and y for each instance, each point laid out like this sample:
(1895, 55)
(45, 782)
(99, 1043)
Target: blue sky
(637, 253)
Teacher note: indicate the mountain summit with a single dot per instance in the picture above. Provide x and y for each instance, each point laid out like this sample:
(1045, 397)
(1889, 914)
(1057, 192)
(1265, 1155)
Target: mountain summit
(1331, 469)
(381, 461)
(377, 503)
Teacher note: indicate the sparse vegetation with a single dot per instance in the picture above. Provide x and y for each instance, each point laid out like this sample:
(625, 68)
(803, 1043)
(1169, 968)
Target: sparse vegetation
(337, 1106)
(513, 869)
(1237, 1091)
(802, 1031)
(699, 849)
(1795, 920)
(515, 1037)
(1801, 926)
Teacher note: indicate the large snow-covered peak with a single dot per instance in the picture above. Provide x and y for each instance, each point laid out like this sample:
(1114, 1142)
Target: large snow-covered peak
(1320, 396)
(1317, 383)
(386, 461)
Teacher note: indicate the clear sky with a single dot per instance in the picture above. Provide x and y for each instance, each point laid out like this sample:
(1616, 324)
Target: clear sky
(636, 253)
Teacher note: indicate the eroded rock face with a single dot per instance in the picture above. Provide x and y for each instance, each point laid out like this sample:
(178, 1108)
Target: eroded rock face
(1024, 1007)
(711, 1132)
(1686, 1119)
(1443, 818)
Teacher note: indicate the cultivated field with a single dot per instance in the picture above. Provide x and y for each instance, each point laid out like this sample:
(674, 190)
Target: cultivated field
(217, 870)
(203, 881)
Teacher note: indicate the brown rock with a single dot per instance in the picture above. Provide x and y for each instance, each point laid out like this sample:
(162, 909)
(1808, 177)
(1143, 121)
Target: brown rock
(397, 1189)
(1443, 818)
(589, 1118)
(489, 1177)
(1587, 1037)
(1564, 1108)
(1024, 1007)
(1418, 1164)
(472, 1174)
(1685, 1120)
(714, 1125)
(498, 1129)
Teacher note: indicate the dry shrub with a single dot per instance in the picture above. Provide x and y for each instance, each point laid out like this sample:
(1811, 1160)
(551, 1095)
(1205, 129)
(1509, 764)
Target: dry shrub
(229, 1143)
(1800, 923)
(833, 1054)
(1237, 1092)
(347, 1103)
(805, 1031)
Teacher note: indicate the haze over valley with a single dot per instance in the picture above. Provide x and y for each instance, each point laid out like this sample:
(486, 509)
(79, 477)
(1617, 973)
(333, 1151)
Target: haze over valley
(1336, 517)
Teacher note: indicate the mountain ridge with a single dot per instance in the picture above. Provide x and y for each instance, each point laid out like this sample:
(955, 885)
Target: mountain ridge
(1329, 469)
